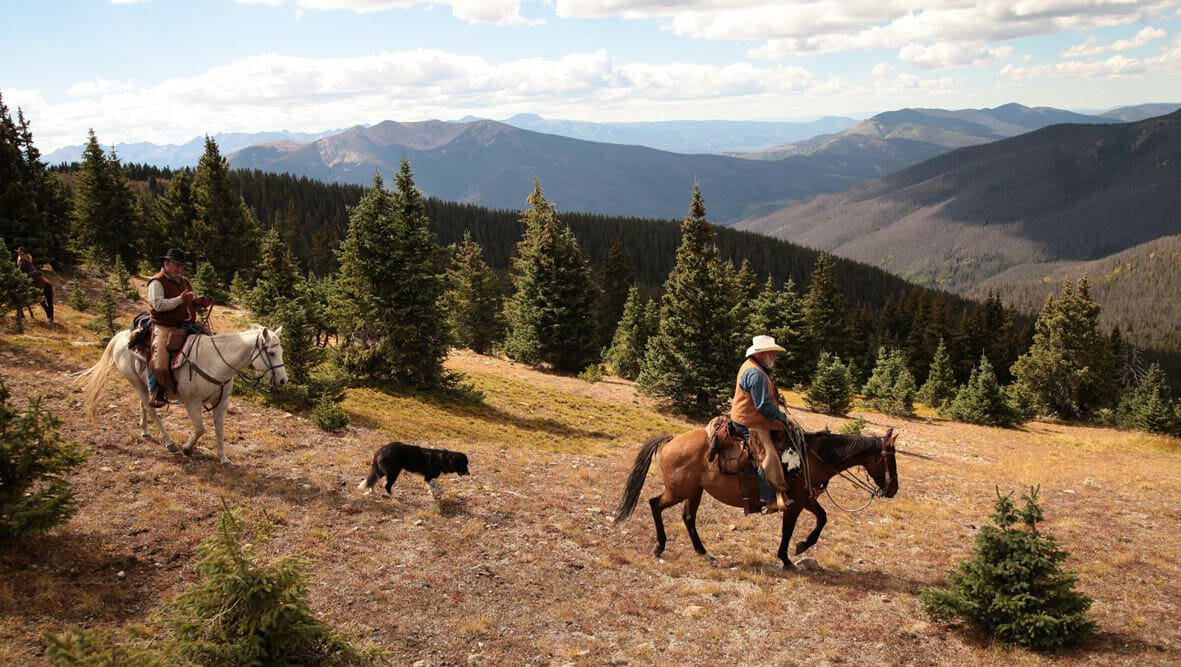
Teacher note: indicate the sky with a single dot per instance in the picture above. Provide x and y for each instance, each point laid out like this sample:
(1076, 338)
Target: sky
(166, 71)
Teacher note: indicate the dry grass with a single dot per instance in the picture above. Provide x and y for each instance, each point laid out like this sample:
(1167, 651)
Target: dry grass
(519, 563)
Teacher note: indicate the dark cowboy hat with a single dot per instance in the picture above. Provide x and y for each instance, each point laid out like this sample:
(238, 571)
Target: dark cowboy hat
(175, 255)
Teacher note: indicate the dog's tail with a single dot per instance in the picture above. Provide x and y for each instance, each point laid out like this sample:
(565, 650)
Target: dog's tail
(375, 474)
(635, 481)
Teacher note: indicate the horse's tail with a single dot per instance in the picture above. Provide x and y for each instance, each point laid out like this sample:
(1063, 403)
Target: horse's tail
(95, 377)
(635, 481)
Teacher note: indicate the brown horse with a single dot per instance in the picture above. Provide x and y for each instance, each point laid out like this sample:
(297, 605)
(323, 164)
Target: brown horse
(688, 472)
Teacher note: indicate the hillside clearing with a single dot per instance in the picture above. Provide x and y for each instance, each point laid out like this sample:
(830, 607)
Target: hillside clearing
(520, 565)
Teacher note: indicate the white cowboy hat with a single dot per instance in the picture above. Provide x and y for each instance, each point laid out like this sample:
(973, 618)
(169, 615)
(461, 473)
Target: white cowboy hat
(763, 344)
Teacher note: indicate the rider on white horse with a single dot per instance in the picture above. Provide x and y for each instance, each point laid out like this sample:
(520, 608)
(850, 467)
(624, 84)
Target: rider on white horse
(172, 305)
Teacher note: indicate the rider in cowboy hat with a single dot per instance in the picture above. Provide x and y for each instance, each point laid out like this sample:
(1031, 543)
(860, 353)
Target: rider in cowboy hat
(172, 304)
(758, 409)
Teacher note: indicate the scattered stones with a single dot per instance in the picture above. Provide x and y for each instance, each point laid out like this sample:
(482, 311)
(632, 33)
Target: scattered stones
(809, 564)
(418, 522)
(121, 574)
(1090, 482)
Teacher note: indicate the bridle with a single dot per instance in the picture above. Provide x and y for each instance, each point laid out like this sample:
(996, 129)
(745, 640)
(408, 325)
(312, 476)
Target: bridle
(873, 490)
(260, 351)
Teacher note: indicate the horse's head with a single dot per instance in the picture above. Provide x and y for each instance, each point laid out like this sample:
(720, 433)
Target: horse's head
(268, 358)
(883, 468)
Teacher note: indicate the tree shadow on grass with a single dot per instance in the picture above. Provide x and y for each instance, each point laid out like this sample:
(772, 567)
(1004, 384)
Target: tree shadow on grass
(490, 414)
(74, 578)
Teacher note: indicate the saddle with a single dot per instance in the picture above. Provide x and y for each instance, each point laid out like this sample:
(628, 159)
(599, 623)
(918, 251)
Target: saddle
(732, 452)
(142, 332)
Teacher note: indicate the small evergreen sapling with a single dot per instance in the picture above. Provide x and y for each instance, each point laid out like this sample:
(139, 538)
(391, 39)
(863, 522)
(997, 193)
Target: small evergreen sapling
(982, 400)
(1150, 406)
(35, 493)
(1014, 588)
(77, 299)
(940, 385)
(123, 286)
(891, 387)
(831, 390)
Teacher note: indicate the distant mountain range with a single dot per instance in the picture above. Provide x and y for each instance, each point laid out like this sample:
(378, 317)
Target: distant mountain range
(188, 153)
(893, 140)
(1141, 111)
(685, 136)
(1066, 192)
(493, 164)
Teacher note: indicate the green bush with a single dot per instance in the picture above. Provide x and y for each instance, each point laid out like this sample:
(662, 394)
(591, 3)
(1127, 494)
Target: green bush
(1014, 587)
(104, 324)
(891, 387)
(122, 277)
(1150, 406)
(831, 390)
(35, 494)
(854, 427)
(77, 299)
(982, 400)
(328, 415)
(238, 613)
(592, 373)
(208, 283)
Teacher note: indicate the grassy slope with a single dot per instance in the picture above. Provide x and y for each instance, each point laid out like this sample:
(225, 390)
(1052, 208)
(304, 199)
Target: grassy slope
(519, 562)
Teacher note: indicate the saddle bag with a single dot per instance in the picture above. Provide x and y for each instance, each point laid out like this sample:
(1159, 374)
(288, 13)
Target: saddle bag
(727, 445)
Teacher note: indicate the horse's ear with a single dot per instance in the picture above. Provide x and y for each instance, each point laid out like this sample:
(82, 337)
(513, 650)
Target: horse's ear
(890, 435)
(277, 330)
(256, 326)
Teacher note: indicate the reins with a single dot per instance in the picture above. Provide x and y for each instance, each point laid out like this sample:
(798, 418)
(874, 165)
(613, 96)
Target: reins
(873, 490)
(259, 351)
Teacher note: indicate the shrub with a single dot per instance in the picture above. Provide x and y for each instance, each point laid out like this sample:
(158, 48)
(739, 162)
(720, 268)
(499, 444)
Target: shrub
(592, 373)
(238, 613)
(122, 276)
(1014, 587)
(208, 283)
(891, 387)
(77, 299)
(940, 385)
(104, 324)
(831, 390)
(1150, 406)
(34, 493)
(328, 415)
(854, 427)
(982, 400)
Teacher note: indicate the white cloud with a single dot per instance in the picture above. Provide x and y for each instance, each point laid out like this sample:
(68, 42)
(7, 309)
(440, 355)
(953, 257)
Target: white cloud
(1114, 67)
(1091, 46)
(272, 91)
(945, 55)
(790, 28)
(500, 12)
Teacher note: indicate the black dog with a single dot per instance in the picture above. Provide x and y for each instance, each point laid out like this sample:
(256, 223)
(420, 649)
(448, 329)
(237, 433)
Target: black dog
(392, 459)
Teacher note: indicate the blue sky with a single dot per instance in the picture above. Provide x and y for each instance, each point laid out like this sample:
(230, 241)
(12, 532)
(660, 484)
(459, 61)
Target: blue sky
(168, 70)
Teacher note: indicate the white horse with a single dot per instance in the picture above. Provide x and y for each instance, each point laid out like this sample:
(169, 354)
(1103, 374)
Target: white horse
(205, 377)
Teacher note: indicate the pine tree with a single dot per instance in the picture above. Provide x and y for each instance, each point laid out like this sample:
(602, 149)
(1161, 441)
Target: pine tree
(551, 315)
(108, 312)
(614, 278)
(747, 284)
(78, 300)
(779, 313)
(1149, 406)
(1014, 587)
(940, 385)
(104, 223)
(389, 314)
(34, 206)
(474, 303)
(982, 400)
(826, 326)
(240, 612)
(178, 213)
(636, 326)
(890, 388)
(208, 283)
(831, 390)
(16, 290)
(692, 359)
(122, 277)
(1069, 368)
(35, 493)
(278, 281)
(225, 232)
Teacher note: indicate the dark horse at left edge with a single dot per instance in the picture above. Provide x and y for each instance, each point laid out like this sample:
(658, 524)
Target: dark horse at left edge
(687, 472)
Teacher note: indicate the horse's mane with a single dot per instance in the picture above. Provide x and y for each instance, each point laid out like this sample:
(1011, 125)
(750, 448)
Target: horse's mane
(836, 447)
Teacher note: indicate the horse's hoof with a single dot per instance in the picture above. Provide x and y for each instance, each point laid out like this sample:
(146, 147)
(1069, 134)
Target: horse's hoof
(788, 565)
(658, 550)
(801, 547)
(225, 461)
(172, 447)
(187, 451)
